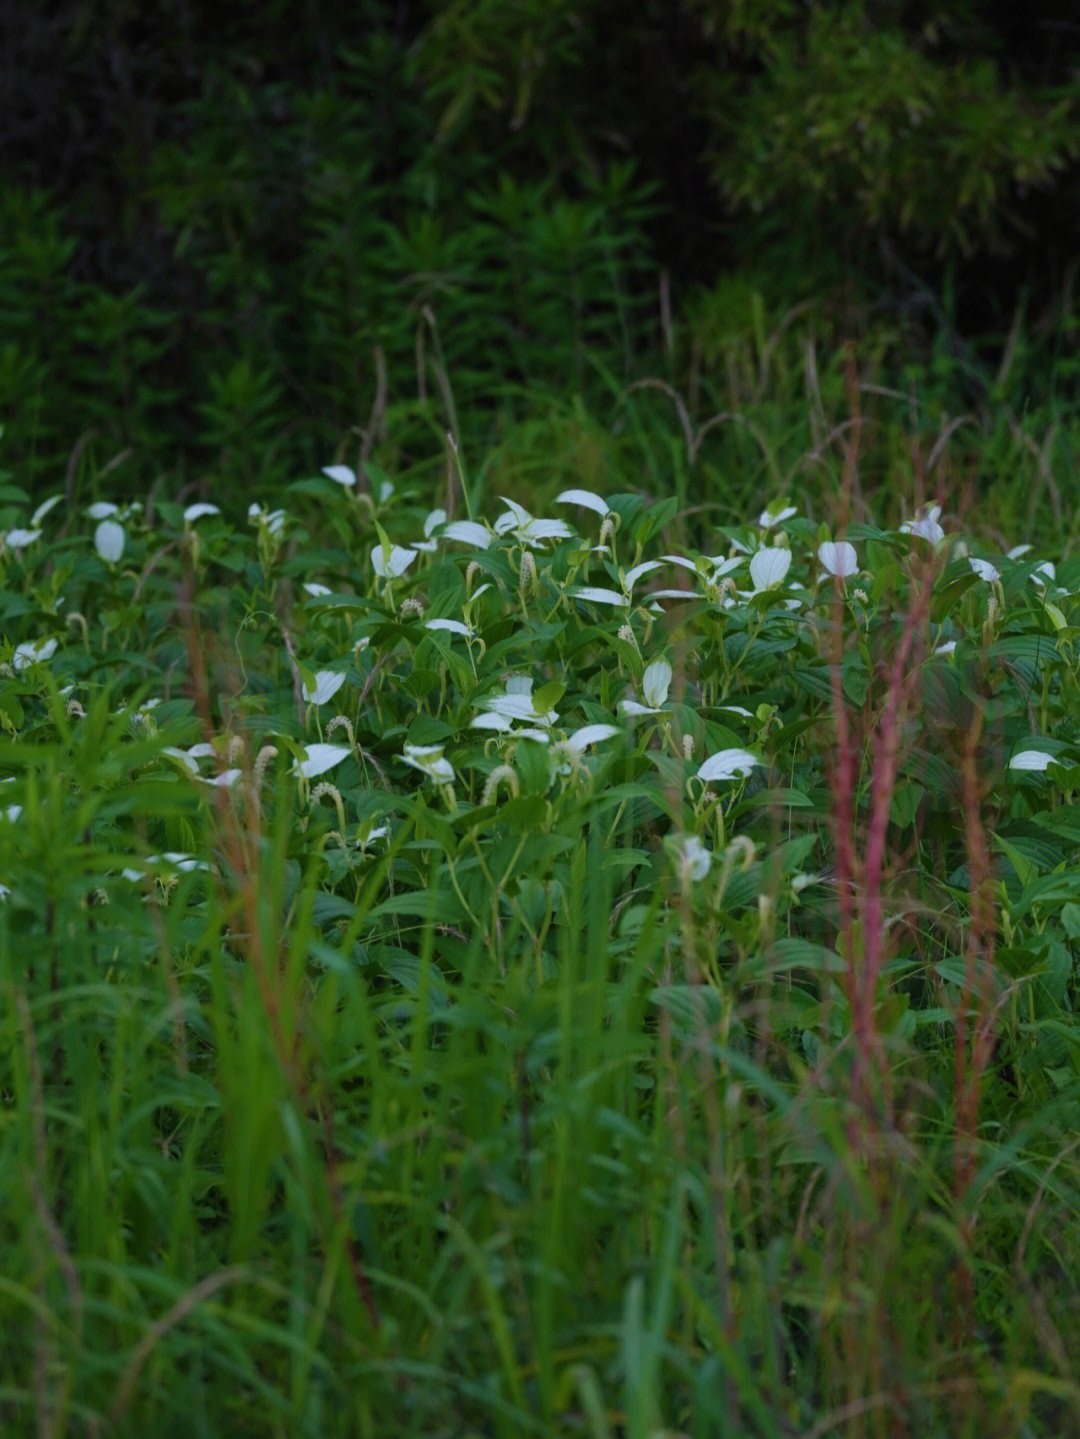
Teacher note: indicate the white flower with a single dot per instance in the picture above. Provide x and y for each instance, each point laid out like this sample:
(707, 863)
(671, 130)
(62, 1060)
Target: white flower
(197, 511)
(327, 684)
(428, 758)
(19, 539)
(838, 557)
(728, 764)
(341, 475)
(587, 499)
(984, 569)
(1031, 759)
(389, 563)
(109, 541)
(768, 567)
(925, 524)
(318, 758)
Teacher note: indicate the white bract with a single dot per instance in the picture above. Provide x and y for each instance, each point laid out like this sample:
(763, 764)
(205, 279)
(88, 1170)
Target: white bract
(838, 557)
(1031, 759)
(768, 567)
(19, 539)
(925, 524)
(599, 595)
(198, 511)
(692, 859)
(590, 734)
(273, 521)
(455, 627)
(527, 530)
(32, 652)
(587, 499)
(984, 569)
(728, 764)
(391, 561)
(327, 684)
(655, 683)
(776, 514)
(428, 759)
(318, 758)
(109, 538)
(341, 475)
(468, 532)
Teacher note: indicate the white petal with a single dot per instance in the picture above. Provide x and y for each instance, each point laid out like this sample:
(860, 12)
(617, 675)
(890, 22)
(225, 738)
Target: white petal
(728, 764)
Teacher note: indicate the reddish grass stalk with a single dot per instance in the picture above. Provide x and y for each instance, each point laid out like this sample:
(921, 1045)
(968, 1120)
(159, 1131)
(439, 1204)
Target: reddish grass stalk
(242, 851)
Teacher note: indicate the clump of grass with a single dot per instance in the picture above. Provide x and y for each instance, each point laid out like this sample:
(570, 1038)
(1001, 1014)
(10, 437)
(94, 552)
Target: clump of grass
(526, 971)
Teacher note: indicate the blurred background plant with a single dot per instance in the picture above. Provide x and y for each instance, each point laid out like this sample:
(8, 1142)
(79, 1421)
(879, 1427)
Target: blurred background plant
(230, 246)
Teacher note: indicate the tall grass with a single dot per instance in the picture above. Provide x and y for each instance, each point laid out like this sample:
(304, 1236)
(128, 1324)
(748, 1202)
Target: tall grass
(403, 1033)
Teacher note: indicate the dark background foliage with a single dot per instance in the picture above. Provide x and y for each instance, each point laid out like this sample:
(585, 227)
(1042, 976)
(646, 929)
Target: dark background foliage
(230, 238)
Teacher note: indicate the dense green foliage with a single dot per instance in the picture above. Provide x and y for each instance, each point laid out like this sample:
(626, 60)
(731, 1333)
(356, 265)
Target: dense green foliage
(552, 977)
